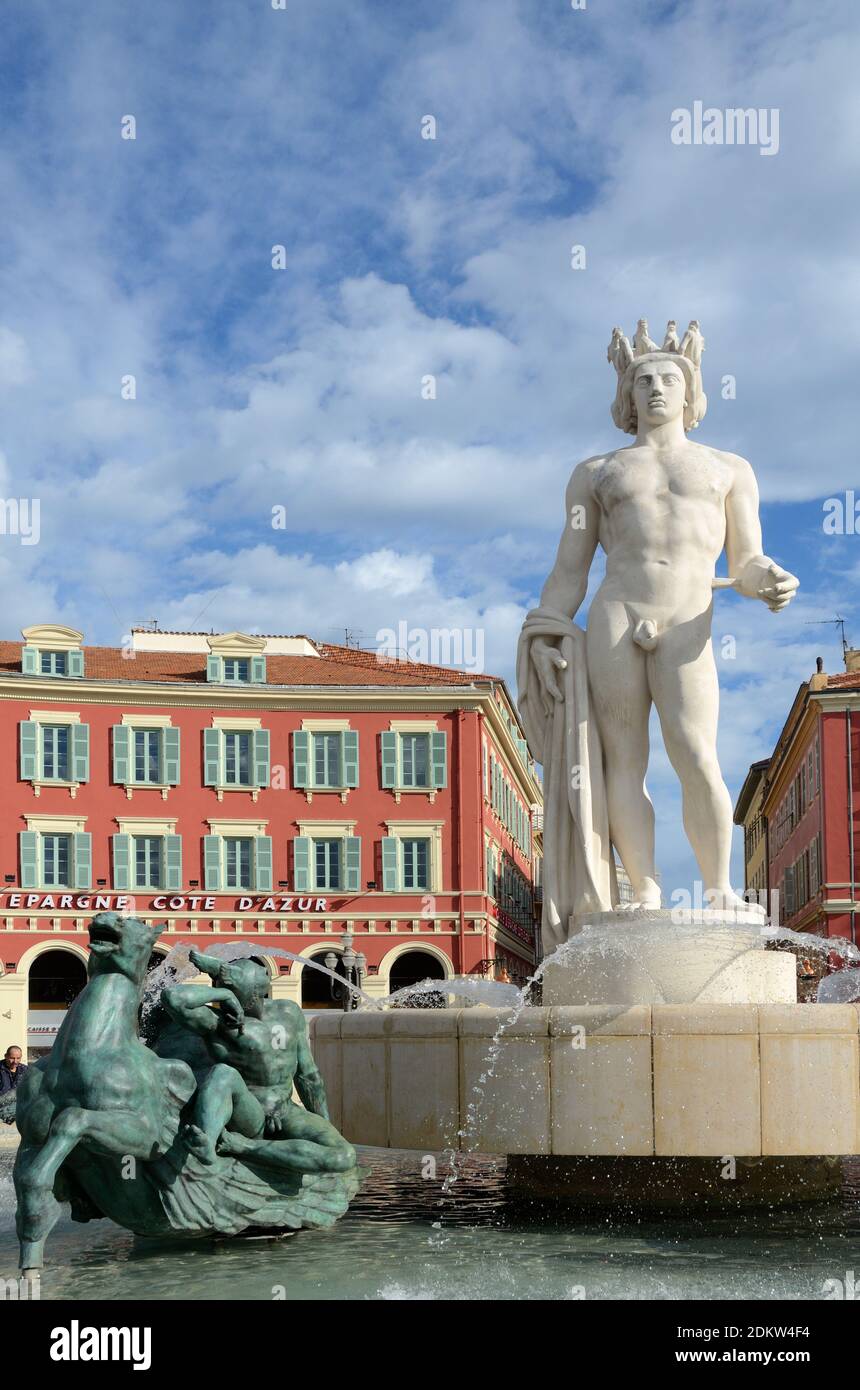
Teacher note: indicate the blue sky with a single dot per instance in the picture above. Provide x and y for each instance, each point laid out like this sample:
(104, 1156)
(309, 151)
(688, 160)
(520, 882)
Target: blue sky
(407, 257)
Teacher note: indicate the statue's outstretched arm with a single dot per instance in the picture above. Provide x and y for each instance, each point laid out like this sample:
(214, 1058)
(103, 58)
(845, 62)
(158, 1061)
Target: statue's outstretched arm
(308, 1081)
(187, 1005)
(754, 574)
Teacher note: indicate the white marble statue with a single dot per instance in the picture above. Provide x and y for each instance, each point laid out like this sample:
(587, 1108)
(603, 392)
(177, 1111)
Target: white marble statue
(663, 509)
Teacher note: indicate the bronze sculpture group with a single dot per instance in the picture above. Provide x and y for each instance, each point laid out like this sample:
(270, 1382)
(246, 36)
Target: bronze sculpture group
(195, 1135)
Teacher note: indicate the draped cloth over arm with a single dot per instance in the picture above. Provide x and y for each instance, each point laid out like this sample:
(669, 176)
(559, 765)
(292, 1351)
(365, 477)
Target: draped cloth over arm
(578, 862)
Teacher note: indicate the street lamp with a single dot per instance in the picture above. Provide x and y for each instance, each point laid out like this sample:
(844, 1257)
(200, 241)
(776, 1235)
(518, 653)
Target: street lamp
(353, 969)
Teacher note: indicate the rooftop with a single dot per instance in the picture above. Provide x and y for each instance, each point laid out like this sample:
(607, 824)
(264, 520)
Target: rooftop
(334, 665)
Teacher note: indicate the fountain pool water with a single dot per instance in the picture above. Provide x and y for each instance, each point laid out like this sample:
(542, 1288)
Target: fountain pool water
(403, 1239)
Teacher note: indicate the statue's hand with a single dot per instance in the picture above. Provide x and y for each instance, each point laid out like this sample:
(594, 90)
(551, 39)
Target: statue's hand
(765, 579)
(232, 1014)
(548, 660)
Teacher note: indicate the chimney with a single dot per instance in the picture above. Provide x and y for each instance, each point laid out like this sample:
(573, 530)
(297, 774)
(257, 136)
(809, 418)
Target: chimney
(852, 659)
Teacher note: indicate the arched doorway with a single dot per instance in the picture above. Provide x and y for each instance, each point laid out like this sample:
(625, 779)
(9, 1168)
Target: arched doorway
(411, 968)
(317, 987)
(55, 979)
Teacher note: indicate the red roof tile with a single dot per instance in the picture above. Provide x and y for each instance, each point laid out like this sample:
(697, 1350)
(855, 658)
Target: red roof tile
(846, 680)
(334, 666)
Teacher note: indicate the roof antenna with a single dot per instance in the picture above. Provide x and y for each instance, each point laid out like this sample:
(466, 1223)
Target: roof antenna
(832, 622)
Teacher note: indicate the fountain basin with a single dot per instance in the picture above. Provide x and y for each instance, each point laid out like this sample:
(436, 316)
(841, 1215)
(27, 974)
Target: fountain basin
(672, 1080)
(669, 956)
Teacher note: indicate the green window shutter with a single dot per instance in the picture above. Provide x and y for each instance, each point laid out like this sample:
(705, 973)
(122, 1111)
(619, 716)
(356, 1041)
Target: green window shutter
(212, 863)
(75, 663)
(439, 744)
(29, 847)
(302, 864)
(214, 668)
(28, 734)
(30, 661)
(170, 755)
(211, 757)
(263, 863)
(389, 759)
(173, 861)
(121, 845)
(83, 854)
(350, 758)
(121, 739)
(80, 738)
(390, 862)
(261, 757)
(352, 863)
(258, 670)
(301, 758)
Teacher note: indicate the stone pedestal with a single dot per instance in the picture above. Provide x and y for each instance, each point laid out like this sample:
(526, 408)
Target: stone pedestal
(670, 957)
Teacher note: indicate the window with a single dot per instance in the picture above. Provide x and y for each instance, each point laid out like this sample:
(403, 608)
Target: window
(237, 668)
(237, 759)
(147, 854)
(55, 752)
(53, 663)
(328, 862)
(56, 858)
(416, 864)
(325, 760)
(237, 858)
(411, 859)
(327, 856)
(48, 661)
(414, 761)
(237, 863)
(147, 755)
(148, 861)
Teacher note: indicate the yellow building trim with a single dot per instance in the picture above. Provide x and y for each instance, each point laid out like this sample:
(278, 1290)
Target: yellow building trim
(325, 726)
(229, 722)
(340, 828)
(239, 828)
(52, 635)
(147, 825)
(56, 825)
(147, 721)
(55, 716)
(236, 644)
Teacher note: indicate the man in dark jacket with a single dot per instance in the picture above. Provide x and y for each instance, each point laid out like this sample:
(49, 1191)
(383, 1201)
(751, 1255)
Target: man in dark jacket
(12, 1069)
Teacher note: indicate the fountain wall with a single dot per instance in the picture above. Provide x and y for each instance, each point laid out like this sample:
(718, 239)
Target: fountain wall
(698, 1080)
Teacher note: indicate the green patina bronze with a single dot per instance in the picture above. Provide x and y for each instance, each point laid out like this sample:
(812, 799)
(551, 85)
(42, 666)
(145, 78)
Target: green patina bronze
(196, 1136)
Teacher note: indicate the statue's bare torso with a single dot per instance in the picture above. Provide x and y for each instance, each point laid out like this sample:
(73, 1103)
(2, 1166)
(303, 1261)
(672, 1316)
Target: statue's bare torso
(662, 519)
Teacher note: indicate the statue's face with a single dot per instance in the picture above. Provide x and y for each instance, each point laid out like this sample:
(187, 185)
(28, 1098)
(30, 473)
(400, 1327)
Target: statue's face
(120, 945)
(247, 980)
(658, 392)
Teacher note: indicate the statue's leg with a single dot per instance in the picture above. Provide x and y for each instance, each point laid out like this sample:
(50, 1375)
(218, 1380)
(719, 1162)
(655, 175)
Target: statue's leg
(686, 692)
(306, 1143)
(222, 1099)
(618, 684)
(37, 1208)
(37, 1165)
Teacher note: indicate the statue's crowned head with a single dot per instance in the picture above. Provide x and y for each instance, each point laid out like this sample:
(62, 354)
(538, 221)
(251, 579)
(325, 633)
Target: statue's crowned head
(674, 363)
